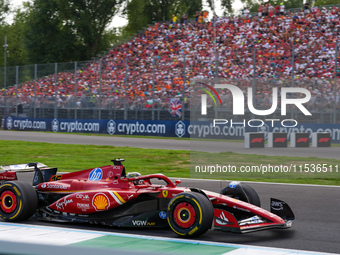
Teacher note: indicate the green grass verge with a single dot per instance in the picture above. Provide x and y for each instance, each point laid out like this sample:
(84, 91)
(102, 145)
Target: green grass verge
(173, 163)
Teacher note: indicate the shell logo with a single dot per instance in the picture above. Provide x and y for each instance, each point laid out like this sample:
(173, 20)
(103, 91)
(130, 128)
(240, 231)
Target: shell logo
(100, 202)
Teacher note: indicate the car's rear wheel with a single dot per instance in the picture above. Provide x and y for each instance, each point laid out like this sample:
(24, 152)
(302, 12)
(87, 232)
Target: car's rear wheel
(18, 201)
(190, 214)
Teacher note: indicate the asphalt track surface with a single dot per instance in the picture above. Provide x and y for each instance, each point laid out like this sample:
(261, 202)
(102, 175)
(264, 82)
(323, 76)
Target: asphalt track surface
(316, 208)
(170, 144)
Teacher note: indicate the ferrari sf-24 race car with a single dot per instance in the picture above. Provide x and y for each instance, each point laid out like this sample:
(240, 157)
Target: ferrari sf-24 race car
(107, 195)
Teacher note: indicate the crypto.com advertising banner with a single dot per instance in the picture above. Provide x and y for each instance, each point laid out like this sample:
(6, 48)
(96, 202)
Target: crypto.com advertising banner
(238, 107)
(111, 127)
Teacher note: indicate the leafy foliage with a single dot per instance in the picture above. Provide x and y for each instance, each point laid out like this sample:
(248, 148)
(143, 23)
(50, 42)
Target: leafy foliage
(140, 13)
(4, 9)
(326, 2)
(66, 30)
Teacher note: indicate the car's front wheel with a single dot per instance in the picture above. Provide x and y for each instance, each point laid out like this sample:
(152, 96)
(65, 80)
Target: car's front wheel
(190, 214)
(18, 201)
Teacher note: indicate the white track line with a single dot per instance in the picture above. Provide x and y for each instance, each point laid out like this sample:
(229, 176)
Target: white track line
(44, 235)
(275, 183)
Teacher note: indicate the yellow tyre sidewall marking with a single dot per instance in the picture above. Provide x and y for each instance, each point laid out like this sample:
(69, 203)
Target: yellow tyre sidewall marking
(194, 229)
(20, 201)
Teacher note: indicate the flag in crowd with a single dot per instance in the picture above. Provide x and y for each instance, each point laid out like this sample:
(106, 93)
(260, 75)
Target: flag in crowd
(149, 103)
(175, 107)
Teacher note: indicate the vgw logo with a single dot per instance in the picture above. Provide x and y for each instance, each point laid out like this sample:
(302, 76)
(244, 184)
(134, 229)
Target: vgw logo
(204, 97)
(238, 100)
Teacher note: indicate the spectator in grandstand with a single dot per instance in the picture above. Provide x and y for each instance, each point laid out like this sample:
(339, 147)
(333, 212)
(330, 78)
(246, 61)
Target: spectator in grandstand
(306, 6)
(270, 10)
(184, 19)
(196, 16)
(277, 10)
(174, 19)
(205, 16)
(260, 9)
(282, 9)
(265, 10)
(200, 18)
(245, 12)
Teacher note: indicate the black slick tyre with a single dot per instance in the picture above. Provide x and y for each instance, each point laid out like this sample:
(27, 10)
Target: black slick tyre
(190, 214)
(18, 201)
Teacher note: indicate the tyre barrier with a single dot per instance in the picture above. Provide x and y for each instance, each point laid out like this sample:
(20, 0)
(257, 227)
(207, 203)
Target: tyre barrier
(321, 139)
(277, 140)
(280, 140)
(254, 140)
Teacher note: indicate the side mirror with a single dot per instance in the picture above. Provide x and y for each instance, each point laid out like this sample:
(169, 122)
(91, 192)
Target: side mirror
(177, 182)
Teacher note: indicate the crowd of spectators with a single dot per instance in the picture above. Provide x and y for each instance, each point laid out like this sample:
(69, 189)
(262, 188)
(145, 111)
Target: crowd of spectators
(282, 49)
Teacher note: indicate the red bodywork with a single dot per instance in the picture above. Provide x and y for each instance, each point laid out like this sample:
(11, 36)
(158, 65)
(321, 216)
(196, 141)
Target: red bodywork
(106, 188)
(8, 176)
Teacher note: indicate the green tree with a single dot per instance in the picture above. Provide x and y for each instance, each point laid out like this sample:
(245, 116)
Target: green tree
(226, 5)
(89, 19)
(136, 15)
(68, 30)
(47, 38)
(140, 13)
(4, 9)
(326, 2)
(13, 30)
(17, 54)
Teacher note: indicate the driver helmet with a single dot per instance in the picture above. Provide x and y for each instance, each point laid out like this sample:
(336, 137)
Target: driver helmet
(135, 174)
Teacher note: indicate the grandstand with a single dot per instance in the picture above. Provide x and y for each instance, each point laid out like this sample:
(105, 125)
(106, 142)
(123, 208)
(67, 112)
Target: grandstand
(141, 77)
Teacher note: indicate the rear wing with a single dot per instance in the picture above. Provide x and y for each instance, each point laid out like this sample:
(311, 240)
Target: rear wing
(20, 167)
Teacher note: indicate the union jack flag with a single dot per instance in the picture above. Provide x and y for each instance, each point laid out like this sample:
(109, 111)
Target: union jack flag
(175, 107)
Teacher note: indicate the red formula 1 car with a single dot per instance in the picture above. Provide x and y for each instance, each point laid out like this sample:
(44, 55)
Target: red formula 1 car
(107, 195)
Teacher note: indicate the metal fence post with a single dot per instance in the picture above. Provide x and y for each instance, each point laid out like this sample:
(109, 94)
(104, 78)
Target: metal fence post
(153, 87)
(254, 78)
(293, 65)
(35, 91)
(55, 89)
(125, 90)
(75, 90)
(100, 88)
(335, 80)
(293, 112)
(16, 90)
(183, 89)
(5, 75)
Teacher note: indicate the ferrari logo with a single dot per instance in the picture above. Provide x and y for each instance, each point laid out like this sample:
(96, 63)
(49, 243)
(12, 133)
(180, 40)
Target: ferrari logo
(165, 193)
